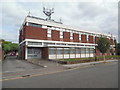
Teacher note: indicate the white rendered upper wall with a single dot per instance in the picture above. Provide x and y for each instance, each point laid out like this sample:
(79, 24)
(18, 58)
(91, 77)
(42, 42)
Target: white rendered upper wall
(58, 25)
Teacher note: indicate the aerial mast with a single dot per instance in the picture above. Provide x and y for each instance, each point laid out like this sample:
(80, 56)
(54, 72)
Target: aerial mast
(48, 12)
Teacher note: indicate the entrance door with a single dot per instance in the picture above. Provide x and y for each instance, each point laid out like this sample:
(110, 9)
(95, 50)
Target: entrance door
(34, 53)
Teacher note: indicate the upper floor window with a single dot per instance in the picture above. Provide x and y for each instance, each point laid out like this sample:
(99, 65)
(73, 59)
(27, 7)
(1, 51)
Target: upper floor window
(35, 25)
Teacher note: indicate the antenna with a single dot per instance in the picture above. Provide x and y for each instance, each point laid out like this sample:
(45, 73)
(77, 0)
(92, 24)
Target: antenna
(60, 19)
(48, 12)
(29, 13)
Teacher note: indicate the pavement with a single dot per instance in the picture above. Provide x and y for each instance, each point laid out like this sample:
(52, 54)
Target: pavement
(13, 67)
(89, 63)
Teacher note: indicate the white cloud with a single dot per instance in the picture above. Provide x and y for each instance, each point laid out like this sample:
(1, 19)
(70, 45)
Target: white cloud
(90, 16)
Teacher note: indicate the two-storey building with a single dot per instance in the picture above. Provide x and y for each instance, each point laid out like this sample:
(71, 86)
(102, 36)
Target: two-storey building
(48, 39)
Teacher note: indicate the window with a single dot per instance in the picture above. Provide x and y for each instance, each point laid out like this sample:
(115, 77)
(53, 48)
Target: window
(34, 52)
(49, 33)
(87, 50)
(52, 51)
(91, 51)
(34, 43)
(35, 25)
(72, 50)
(78, 51)
(82, 51)
(59, 50)
(66, 51)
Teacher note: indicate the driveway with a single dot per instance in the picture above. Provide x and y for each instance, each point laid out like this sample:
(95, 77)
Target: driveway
(12, 64)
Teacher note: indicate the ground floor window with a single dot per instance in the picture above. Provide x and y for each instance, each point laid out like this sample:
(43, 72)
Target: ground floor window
(34, 52)
(60, 53)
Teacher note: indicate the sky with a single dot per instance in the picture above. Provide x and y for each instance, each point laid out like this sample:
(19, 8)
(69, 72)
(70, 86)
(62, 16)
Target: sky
(90, 15)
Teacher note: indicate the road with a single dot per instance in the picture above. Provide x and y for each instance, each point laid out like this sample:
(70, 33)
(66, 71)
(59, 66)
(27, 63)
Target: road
(103, 75)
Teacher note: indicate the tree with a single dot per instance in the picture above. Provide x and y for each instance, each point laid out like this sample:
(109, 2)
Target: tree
(103, 44)
(118, 49)
(6, 46)
(9, 46)
(14, 47)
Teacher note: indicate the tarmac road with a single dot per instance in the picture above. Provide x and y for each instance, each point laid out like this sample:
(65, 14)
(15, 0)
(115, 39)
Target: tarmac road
(97, 76)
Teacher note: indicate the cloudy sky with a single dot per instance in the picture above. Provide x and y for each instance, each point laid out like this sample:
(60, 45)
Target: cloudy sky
(97, 16)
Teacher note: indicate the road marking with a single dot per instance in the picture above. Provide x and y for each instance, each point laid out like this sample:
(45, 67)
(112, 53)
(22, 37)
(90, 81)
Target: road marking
(33, 75)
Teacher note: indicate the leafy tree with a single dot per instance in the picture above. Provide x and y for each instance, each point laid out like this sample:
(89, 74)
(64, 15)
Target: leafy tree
(14, 47)
(9, 46)
(118, 49)
(6, 46)
(103, 44)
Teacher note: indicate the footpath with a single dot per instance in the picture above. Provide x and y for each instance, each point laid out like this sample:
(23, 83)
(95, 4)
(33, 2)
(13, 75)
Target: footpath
(50, 69)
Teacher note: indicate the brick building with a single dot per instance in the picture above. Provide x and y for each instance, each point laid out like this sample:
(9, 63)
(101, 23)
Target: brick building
(48, 39)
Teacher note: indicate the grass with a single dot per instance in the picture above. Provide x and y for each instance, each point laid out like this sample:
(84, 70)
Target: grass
(90, 58)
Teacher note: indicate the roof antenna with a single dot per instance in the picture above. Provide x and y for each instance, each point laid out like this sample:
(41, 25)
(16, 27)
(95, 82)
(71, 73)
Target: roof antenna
(60, 20)
(29, 13)
(48, 12)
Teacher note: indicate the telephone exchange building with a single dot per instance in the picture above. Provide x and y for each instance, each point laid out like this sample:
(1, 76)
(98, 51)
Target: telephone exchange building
(47, 39)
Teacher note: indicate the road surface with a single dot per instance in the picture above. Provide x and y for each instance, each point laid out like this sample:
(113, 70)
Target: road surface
(103, 75)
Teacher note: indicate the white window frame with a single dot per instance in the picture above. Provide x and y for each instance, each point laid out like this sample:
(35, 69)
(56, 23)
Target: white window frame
(61, 34)
(49, 33)
(79, 36)
(71, 36)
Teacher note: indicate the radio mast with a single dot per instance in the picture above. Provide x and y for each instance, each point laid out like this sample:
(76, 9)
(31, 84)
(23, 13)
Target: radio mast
(48, 12)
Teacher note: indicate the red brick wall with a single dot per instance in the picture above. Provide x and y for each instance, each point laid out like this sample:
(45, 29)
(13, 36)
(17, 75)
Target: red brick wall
(35, 33)
(45, 53)
(90, 38)
(114, 42)
(97, 52)
(55, 35)
(20, 36)
(111, 41)
(96, 39)
(108, 52)
(84, 38)
(23, 52)
(75, 37)
(66, 36)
